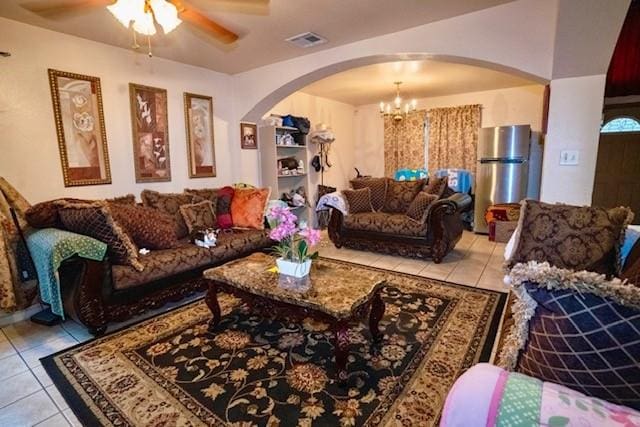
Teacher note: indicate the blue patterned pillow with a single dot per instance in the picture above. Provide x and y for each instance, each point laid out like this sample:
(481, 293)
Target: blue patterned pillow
(577, 329)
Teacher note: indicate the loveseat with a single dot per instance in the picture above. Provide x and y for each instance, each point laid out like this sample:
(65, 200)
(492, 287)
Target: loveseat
(95, 293)
(397, 221)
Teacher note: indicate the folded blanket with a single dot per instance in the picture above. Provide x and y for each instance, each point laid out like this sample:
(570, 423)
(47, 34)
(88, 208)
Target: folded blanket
(332, 201)
(486, 395)
(48, 248)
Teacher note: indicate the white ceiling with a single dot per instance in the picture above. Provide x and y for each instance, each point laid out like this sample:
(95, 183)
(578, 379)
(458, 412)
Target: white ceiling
(421, 79)
(261, 35)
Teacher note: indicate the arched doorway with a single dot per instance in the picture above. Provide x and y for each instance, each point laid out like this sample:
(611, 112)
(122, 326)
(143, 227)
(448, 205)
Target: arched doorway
(617, 180)
(278, 93)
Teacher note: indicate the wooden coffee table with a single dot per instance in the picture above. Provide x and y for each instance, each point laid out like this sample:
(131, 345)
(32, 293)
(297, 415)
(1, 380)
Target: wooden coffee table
(336, 293)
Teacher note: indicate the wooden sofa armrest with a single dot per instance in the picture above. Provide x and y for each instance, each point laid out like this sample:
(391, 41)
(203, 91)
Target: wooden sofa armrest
(82, 283)
(334, 229)
(444, 226)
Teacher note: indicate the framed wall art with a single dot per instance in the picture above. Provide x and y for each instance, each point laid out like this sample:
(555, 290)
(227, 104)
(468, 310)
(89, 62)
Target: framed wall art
(198, 117)
(150, 130)
(79, 117)
(248, 136)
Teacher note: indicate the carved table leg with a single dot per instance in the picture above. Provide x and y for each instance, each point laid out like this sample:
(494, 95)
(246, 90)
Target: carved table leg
(212, 302)
(341, 332)
(377, 311)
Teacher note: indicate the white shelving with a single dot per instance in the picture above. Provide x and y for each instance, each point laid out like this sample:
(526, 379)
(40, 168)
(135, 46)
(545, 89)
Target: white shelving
(270, 153)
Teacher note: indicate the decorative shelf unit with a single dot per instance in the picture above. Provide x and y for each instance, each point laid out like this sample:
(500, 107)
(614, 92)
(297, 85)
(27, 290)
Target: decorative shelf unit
(271, 152)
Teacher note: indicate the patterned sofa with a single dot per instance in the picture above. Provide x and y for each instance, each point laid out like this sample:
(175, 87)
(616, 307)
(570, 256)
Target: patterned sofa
(125, 282)
(97, 293)
(388, 229)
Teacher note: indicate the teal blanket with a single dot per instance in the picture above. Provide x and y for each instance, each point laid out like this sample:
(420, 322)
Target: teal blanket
(48, 248)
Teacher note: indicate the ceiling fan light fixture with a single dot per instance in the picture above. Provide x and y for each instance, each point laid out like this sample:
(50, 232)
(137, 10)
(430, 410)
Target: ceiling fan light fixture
(166, 14)
(143, 24)
(126, 11)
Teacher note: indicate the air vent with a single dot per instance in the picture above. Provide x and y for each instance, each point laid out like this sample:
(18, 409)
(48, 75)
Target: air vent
(306, 40)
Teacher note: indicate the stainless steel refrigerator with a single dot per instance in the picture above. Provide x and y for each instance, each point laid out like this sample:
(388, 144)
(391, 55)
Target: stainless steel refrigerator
(503, 169)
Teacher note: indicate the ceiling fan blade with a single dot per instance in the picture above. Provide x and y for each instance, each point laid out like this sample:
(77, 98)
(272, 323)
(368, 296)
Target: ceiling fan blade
(253, 7)
(194, 17)
(49, 8)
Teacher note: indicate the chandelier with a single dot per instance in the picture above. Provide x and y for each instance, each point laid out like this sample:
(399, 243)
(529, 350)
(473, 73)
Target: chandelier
(395, 108)
(142, 15)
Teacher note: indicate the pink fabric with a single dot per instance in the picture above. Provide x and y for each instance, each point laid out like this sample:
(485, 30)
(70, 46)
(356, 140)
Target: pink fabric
(496, 398)
(468, 401)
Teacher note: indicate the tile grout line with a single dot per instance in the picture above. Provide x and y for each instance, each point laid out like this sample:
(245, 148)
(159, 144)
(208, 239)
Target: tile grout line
(24, 397)
(54, 415)
(485, 265)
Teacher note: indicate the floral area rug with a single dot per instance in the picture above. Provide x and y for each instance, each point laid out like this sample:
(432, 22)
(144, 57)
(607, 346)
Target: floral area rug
(255, 371)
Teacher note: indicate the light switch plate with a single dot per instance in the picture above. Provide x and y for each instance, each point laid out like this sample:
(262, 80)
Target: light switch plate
(569, 157)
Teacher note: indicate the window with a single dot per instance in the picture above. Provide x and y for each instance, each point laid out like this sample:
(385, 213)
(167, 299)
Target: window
(621, 124)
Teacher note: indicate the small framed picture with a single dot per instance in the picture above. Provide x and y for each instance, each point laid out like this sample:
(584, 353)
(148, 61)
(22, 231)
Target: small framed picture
(150, 133)
(82, 141)
(248, 136)
(198, 112)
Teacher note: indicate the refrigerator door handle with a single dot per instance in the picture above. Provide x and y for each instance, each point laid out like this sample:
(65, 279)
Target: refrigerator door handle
(501, 160)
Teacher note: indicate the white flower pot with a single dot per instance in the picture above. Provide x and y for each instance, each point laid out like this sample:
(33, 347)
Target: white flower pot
(292, 268)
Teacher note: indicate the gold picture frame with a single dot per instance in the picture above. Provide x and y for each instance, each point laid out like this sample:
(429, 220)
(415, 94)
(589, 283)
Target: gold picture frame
(150, 133)
(201, 147)
(80, 129)
(248, 136)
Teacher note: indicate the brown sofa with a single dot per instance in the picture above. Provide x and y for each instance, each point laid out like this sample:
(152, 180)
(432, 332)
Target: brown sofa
(397, 233)
(95, 293)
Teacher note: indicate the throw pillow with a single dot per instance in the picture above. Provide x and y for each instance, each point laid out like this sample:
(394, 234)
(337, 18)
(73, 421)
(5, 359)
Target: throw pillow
(45, 214)
(378, 187)
(358, 200)
(437, 185)
(577, 329)
(631, 268)
(129, 199)
(149, 228)
(223, 207)
(573, 237)
(95, 220)
(248, 207)
(420, 206)
(210, 194)
(199, 216)
(169, 203)
(400, 194)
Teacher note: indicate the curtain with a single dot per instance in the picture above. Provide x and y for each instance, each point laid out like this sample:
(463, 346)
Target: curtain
(453, 137)
(404, 142)
(12, 295)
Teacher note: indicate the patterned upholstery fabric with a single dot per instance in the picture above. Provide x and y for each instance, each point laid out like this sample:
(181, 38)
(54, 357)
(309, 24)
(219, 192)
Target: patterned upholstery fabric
(223, 207)
(631, 269)
(359, 200)
(420, 205)
(378, 187)
(45, 214)
(169, 203)
(248, 207)
(585, 342)
(205, 193)
(149, 228)
(95, 220)
(437, 185)
(198, 216)
(400, 194)
(128, 199)
(576, 238)
(385, 223)
(165, 263)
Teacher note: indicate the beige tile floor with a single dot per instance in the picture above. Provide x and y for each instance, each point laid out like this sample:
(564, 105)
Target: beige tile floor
(28, 396)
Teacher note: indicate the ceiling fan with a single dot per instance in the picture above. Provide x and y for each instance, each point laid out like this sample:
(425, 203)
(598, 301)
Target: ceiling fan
(143, 15)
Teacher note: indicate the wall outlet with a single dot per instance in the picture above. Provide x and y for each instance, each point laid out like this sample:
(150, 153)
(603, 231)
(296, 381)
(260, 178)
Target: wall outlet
(569, 157)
